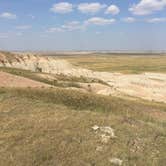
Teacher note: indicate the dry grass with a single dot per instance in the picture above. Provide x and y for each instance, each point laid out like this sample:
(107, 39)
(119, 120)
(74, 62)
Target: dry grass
(47, 127)
(59, 80)
(120, 63)
(53, 127)
(80, 101)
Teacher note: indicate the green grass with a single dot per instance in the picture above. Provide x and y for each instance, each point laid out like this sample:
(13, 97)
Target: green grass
(53, 127)
(128, 64)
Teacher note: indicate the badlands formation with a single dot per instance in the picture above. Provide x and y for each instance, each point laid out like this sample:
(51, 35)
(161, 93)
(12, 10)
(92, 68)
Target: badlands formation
(149, 86)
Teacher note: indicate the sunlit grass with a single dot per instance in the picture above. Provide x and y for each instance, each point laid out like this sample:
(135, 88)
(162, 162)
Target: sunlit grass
(127, 64)
(49, 127)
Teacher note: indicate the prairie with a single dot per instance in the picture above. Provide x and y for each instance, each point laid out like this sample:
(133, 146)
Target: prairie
(54, 127)
(123, 63)
(57, 119)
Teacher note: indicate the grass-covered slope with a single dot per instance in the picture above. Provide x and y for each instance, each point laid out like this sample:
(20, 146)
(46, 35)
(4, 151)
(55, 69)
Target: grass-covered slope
(58, 80)
(54, 127)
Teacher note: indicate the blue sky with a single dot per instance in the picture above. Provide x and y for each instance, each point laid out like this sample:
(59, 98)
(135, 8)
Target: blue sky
(83, 25)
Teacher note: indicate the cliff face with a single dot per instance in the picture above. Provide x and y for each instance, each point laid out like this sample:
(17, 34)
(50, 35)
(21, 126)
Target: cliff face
(41, 64)
(33, 62)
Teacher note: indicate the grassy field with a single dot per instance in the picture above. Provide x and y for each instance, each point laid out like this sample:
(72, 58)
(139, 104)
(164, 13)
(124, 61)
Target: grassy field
(54, 127)
(120, 63)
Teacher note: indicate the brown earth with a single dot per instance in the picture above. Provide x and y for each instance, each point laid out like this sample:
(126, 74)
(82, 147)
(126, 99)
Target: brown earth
(9, 80)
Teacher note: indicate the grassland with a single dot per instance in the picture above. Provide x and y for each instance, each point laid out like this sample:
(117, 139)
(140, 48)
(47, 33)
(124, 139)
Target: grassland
(49, 127)
(127, 64)
(54, 127)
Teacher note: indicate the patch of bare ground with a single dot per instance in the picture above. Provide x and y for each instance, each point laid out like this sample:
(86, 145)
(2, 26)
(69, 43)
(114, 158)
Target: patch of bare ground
(9, 80)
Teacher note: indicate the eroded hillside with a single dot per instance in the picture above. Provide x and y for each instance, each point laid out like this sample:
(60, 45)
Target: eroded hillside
(150, 86)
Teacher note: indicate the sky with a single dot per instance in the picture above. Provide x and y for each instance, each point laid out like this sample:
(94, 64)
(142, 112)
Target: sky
(54, 25)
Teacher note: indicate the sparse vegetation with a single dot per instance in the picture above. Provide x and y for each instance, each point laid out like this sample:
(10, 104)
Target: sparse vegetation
(80, 101)
(46, 127)
(60, 80)
(123, 63)
(53, 125)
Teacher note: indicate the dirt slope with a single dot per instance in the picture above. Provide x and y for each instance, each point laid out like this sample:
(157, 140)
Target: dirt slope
(9, 80)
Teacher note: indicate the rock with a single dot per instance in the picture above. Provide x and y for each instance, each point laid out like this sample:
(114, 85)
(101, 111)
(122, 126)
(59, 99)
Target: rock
(105, 138)
(116, 161)
(95, 127)
(108, 130)
(99, 148)
(106, 133)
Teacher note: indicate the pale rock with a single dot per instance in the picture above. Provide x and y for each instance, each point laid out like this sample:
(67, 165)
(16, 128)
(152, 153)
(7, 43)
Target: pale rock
(108, 130)
(95, 127)
(105, 138)
(116, 161)
(99, 148)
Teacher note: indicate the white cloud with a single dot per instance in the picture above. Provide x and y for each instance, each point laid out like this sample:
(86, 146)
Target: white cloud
(99, 21)
(145, 7)
(156, 20)
(62, 8)
(74, 25)
(113, 9)
(55, 29)
(129, 19)
(24, 27)
(8, 15)
(70, 26)
(90, 7)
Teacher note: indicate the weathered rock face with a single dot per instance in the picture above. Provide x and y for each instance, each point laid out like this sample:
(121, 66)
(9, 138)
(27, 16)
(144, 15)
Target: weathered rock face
(41, 64)
(150, 86)
(34, 62)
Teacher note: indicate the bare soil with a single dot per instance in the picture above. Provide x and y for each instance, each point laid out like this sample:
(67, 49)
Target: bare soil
(9, 80)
